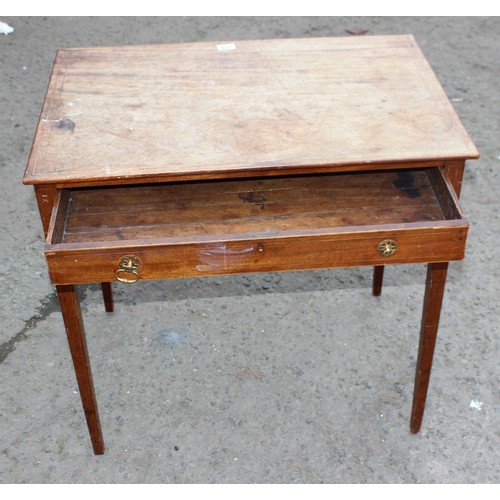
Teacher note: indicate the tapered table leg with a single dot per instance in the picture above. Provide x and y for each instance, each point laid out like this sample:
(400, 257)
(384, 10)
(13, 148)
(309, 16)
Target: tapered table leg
(70, 308)
(378, 278)
(434, 290)
(107, 294)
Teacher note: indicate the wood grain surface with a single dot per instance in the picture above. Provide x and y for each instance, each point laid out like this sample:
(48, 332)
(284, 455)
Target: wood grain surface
(240, 207)
(201, 110)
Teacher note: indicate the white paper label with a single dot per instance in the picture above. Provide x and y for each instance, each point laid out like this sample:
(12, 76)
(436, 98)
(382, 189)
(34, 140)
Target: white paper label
(224, 47)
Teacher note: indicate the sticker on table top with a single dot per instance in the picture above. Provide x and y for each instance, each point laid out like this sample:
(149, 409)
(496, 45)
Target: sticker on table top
(226, 47)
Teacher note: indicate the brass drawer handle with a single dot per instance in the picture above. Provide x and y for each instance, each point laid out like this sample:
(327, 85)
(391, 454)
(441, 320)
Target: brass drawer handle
(387, 248)
(128, 269)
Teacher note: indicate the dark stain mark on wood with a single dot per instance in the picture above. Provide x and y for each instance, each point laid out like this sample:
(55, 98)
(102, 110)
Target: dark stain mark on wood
(66, 124)
(254, 197)
(406, 182)
(119, 235)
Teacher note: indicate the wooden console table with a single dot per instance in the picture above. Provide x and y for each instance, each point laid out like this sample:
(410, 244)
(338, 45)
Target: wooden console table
(168, 161)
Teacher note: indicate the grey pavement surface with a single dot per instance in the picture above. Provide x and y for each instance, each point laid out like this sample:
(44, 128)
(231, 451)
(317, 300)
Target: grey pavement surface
(272, 378)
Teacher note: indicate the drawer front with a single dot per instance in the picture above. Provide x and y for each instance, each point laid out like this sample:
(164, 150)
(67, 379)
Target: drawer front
(72, 264)
(254, 225)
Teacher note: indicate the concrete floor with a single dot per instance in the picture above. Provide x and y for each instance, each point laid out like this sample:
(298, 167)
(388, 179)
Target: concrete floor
(272, 378)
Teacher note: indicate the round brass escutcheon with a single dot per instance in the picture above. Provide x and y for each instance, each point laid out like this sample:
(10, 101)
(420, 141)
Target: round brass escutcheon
(387, 248)
(128, 269)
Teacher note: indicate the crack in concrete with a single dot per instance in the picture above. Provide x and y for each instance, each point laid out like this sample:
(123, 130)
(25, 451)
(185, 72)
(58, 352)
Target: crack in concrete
(49, 304)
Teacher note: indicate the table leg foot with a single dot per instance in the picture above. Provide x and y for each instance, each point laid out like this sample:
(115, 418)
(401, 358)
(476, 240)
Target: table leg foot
(378, 278)
(107, 294)
(434, 291)
(70, 308)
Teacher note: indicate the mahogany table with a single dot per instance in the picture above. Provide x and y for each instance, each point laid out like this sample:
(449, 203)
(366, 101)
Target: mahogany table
(168, 161)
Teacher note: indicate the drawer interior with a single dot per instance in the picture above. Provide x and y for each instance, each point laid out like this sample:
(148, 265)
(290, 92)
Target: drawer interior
(257, 207)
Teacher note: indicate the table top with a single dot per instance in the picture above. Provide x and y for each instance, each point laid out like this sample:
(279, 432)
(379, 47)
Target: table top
(224, 109)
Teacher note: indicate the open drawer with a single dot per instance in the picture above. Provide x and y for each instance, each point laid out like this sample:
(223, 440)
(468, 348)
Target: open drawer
(173, 230)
